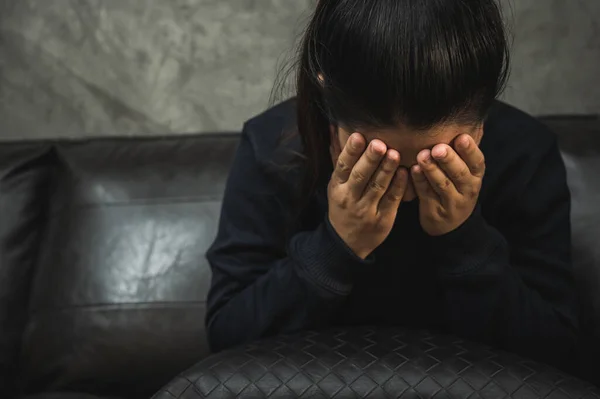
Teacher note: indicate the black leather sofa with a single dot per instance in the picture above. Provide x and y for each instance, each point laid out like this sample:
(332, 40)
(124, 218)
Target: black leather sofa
(103, 282)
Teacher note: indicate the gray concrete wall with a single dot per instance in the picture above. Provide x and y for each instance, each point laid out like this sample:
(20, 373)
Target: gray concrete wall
(71, 68)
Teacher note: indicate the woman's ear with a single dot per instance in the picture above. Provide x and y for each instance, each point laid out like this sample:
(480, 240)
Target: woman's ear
(478, 134)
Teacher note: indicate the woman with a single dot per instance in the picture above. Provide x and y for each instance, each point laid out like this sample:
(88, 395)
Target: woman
(392, 216)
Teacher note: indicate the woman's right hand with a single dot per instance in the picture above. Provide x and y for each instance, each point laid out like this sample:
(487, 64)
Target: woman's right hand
(364, 193)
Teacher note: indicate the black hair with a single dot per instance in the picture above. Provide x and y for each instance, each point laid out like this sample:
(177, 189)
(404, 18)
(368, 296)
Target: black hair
(384, 63)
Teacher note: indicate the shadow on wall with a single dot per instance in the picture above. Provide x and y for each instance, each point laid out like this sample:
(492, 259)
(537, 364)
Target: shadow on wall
(71, 68)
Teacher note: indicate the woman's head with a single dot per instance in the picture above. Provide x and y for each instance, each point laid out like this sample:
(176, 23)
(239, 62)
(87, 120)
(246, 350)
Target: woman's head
(413, 73)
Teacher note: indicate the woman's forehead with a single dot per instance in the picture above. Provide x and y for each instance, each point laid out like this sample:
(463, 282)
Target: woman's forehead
(404, 139)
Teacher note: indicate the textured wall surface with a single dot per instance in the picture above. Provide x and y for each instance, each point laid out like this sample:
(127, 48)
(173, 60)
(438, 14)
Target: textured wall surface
(71, 68)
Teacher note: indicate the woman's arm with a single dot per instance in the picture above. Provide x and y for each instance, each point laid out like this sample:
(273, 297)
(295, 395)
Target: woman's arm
(261, 284)
(516, 289)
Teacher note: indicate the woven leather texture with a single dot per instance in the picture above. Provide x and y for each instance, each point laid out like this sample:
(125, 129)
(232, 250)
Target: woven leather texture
(372, 363)
(58, 395)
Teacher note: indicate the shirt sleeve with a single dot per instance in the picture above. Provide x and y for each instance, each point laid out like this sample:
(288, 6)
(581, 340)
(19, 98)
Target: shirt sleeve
(262, 283)
(516, 290)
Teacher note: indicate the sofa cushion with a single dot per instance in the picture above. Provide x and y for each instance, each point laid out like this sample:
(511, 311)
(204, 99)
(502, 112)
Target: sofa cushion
(374, 363)
(63, 395)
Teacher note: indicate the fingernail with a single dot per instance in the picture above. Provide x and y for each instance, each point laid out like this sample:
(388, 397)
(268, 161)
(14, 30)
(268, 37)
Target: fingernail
(393, 155)
(439, 152)
(377, 147)
(464, 143)
(426, 156)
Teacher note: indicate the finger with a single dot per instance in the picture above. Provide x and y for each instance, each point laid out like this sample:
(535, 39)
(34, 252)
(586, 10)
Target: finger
(438, 180)
(453, 166)
(353, 150)
(471, 154)
(393, 196)
(381, 179)
(366, 166)
(422, 187)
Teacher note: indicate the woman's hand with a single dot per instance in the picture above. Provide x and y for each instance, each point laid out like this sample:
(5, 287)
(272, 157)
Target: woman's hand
(448, 182)
(364, 193)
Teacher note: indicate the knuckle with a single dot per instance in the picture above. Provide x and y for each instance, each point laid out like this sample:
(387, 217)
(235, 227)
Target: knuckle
(378, 224)
(342, 166)
(463, 206)
(443, 184)
(361, 212)
(376, 186)
(338, 198)
(441, 212)
(461, 174)
(357, 176)
(332, 189)
(473, 192)
(394, 197)
(480, 163)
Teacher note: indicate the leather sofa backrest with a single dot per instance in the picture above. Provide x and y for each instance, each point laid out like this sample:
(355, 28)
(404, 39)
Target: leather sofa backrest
(114, 254)
(579, 139)
(24, 184)
(102, 271)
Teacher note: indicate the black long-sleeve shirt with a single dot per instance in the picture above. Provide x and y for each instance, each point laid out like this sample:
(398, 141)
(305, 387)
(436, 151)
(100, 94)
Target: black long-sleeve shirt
(504, 277)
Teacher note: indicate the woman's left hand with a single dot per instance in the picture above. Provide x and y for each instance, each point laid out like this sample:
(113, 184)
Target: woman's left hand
(447, 181)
